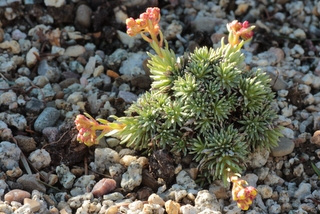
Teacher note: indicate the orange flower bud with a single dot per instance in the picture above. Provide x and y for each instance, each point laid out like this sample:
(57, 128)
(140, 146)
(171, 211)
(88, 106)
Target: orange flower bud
(242, 194)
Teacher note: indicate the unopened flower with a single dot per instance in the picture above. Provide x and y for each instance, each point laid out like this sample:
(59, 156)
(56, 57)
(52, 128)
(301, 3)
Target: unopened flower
(239, 30)
(148, 26)
(242, 194)
(88, 126)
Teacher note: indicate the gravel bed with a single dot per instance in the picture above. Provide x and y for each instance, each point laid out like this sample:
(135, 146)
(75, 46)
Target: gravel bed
(60, 58)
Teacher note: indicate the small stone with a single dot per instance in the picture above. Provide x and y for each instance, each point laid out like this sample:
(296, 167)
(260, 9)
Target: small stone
(47, 118)
(172, 30)
(127, 96)
(265, 191)
(30, 183)
(9, 155)
(40, 158)
(188, 209)
(303, 190)
(104, 186)
(32, 57)
(206, 200)
(299, 34)
(103, 157)
(16, 195)
(132, 178)
(315, 139)
(156, 199)
(66, 178)
(34, 205)
(258, 158)
(54, 3)
(83, 16)
(16, 120)
(13, 46)
(285, 147)
(298, 170)
(7, 98)
(127, 160)
(172, 207)
(75, 51)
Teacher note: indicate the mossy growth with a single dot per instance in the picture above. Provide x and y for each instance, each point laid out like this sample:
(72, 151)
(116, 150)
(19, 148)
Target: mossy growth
(206, 103)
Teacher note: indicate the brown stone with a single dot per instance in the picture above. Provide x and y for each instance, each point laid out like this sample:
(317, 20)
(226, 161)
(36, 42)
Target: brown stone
(34, 205)
(16, 195)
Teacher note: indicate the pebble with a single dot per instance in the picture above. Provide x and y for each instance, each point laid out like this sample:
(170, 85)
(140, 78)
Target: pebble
(103, 157)
(206, 200)
(133, 64)
(303, 190)
(258, 158)
(30, 183)
(9, 155)
(47, 118)
(265, 191)
(74, 51)
(127, 96)
(83, 16)
(104, 186)
(17, 195)
(315, 139)
(12, 46)
(31, 57)
(39, 158)
(54, 3)
(132, 177)
(66, 178)
(285, 147)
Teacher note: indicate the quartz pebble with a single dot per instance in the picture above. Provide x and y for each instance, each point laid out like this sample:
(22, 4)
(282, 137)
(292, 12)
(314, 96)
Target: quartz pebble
(104, 186)
(40, 158)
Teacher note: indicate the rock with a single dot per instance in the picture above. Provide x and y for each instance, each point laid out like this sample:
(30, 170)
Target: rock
(265, 191)
(273, 179)
(54, 3)
(47, 118)
(285, 147)
(12, 46)
(198, 25)
(44, 69)
(40, 158)
(51, 133)
(66, 178)
(133, 65)
(74, 51)
(104, 186)
(303, 190)
(172, 207)
(298, 170)
(33, 204)
(127, 96)
(188, 209)
(30, 183)
(32, 57)
(16, 120)
(83, 16)
(25, 143)
(17, 195)
(172, 30)
(9, 155)
(315, 139)
(103, 157)
(116, 196)
(206, 200)
(156, 199)
(7, 98)
(185, 180)
(89, 68)
(76, 202)
(258, 158)
(132, 177)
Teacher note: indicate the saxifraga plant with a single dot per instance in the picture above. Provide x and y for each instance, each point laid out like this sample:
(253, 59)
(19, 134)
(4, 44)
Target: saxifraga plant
(204, 103)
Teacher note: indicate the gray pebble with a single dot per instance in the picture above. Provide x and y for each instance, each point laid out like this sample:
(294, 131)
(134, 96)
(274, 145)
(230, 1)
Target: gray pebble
(16, 120)
(132, 177)
(34, 106)
(9, 155)
(47, 118)
(30, 183)
(285, 147)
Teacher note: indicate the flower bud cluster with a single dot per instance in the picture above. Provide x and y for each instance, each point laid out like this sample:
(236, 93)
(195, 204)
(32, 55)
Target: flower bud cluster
(242, 194)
